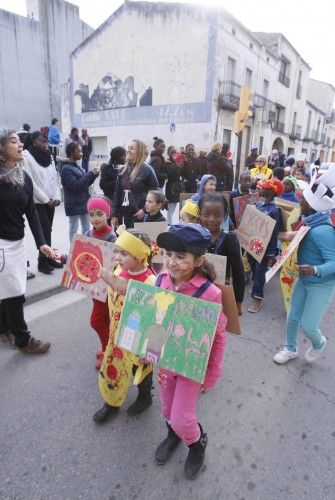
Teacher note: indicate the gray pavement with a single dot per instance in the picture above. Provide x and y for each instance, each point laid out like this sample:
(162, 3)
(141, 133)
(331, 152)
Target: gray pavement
(271, 428)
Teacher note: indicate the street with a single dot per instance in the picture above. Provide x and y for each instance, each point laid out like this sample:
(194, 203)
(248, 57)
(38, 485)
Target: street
(271, 429)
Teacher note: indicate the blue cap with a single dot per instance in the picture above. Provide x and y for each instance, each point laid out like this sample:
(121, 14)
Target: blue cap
(192, 238)
(254, 148)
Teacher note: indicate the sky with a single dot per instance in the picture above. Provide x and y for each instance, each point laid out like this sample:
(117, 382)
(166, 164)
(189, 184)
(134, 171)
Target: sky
(309, 28)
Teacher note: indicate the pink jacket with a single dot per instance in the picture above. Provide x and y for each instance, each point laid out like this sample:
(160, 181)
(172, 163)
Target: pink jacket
(212, 294)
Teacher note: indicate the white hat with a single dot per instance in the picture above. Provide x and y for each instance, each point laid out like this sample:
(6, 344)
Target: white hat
(300, 157)
(320, 193)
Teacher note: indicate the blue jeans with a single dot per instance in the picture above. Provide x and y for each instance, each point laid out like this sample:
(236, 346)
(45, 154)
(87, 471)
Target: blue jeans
(258, 270)
(309, 303)
(74, 224)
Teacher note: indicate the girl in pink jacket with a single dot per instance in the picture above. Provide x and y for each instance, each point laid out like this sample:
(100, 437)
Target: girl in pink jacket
(188, 272)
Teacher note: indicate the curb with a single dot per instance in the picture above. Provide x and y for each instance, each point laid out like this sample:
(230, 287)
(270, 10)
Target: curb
(44, 294)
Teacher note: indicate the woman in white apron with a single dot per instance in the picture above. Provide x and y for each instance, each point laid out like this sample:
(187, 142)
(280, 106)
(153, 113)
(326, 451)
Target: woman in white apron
(16, 200)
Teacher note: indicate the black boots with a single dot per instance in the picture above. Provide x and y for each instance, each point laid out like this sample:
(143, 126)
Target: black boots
(196, 456)
(167, 447)
(105, 413)
(43, 265)
(144, 397)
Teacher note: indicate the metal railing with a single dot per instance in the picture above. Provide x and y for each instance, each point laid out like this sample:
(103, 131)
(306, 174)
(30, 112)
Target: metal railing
(262, 102)
(283, 79)
(278, 126)
(295, 132)
(229, 95)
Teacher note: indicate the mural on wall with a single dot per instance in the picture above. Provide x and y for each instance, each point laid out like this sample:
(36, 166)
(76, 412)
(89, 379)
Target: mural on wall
(122, 76)
(112, 93)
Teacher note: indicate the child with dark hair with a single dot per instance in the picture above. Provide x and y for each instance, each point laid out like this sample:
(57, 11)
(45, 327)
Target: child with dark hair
(289, 190)
(155, 202)
(188, 272)
(244, 187)
(99, 212)
(214, 209)
(269, 190)
(133, 254)
(279, 173)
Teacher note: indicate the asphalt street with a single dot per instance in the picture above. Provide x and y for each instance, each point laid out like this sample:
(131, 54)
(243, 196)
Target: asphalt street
(271, 428)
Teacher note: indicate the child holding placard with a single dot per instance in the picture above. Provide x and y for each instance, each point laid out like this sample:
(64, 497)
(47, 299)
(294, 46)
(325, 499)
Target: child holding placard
(188, 272)
(133, 252)
(99, 212)
(213, 210)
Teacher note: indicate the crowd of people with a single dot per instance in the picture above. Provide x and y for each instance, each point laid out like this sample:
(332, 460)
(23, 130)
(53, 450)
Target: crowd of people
(143, 186)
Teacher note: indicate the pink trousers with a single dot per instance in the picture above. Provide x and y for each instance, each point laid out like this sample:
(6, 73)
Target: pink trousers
(179, 400)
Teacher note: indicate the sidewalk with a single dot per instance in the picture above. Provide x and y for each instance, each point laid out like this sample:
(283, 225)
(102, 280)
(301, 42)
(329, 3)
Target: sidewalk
(45, 285)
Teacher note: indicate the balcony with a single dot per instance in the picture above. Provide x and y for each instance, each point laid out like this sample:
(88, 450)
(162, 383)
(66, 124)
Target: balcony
(283, 79)
(310, 135)
(316, 137)
(295, 132)
(229, 95)
(278, 127)
(262, 102)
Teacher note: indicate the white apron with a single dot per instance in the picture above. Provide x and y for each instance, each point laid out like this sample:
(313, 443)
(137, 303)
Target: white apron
(13, 268)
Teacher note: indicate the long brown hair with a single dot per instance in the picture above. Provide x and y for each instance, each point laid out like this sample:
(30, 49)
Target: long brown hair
(141, 155)
(206, 269)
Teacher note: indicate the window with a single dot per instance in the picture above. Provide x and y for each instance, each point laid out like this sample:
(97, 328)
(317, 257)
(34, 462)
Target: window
(290, 151)
(268, 59)
(265, 88)
(231, 69)
(251, 45)
(294, 119)
(226, 136)
(248, 77)
(284, 72)
(298, 93)
(233, 30)
(261, 142)
(308, 124)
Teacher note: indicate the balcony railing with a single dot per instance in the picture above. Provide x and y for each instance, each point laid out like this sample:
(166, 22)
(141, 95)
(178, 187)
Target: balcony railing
(296, 132)
(284, 80)
(316, 136)
(278, 126)
(310, 135)
(229, 95)
(262, 102)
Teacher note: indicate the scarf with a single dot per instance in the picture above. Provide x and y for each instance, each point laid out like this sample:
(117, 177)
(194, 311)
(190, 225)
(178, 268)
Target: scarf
(13, 176)
(102, 232)
(317, 219)
(43, 158)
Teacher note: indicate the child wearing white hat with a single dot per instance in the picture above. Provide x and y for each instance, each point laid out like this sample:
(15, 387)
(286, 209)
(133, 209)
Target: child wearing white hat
(315, 286)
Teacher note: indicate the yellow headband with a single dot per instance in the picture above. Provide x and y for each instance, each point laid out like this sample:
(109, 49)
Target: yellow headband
(191, 208)
(134, 246)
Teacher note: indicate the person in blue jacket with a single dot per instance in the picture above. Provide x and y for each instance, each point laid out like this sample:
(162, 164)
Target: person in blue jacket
(269, 190)
(315, 287)
(207, 185)
(54, 138)
(75, 183)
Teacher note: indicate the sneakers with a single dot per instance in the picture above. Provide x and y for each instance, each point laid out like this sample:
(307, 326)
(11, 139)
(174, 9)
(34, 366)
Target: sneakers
(35, 347)
(255, 305)
(284, 356)
(45, 268)
(313, 354)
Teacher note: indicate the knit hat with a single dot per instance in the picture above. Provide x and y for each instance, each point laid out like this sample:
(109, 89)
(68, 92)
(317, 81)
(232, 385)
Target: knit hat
(320, 193)
(100, 204)
(262, 158)
(190, 208)
(274, 184)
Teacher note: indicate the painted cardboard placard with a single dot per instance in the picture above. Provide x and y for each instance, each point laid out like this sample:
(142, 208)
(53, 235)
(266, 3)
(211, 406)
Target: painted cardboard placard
(170, 329)
(86, 257)
(229, 308)
(301, 233)
(240, 202)
(153, 229)
(255, 231)
(220, 263)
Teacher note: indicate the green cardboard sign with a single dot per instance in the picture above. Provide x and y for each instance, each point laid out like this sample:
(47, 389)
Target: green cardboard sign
(167, 328)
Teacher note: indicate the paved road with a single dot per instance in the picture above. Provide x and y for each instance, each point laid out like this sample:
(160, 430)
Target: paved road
(271, 428)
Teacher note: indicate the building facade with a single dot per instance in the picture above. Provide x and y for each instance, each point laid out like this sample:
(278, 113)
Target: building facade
(175, 71)
(34, 60)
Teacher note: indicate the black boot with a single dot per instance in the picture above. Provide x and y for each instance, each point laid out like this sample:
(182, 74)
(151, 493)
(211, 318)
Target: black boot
(167, 447)
(196, 456)
(144, 397)
(43, 265)
(55, 264)
(105, 413)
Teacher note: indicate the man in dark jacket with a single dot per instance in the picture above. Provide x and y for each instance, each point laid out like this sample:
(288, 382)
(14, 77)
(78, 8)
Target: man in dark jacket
(190, 169)
(75, 183)
(251, 159)
(110, 171)
(157, 161)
